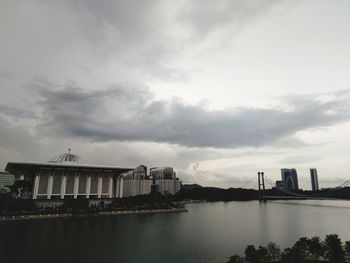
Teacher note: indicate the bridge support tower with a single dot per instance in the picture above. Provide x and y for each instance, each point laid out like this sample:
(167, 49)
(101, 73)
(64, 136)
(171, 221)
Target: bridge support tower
(261, 185)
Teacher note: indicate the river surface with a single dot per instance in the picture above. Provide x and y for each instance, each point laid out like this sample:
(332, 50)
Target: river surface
(209, 232)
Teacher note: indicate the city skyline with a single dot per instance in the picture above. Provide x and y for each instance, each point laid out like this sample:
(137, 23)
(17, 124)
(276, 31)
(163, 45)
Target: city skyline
(218, 93)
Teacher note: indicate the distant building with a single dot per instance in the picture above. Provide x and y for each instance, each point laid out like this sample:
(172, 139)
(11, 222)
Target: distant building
(280, 184)
(69, 176)
(314, 179)
(137, 182)
(290, 179)
(6, 180)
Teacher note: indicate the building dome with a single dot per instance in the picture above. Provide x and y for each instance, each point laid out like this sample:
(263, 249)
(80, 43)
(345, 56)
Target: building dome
(68, 158)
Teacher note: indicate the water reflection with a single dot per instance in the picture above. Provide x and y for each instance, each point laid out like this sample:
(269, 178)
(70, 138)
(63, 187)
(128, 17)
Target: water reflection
(209, 232)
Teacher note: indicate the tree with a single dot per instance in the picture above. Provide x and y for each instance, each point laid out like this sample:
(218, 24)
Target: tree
(293, 255)
(251, 254)
(333, 249)
(302, 246)
(263, 254)
(299, 252)
(19, 187)
(315, 248)
(347, 250)
(75, 205)
(235, 259)
(274, 251)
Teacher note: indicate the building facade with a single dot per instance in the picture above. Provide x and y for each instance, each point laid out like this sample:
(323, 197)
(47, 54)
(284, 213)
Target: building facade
(137, 182)
(314, 179)
(69, 176)
(290, 179)
(280, 184)
(6, 180)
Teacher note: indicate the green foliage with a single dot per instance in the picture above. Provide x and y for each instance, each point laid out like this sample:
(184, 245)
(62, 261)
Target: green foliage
(292, 255)
(315, 248)
(334, 250)
(347, 250)
(235, 259)
(274, 251)
(304, 250)
(20, 186)
(75, 206)
(10, 205)
(301, 248)
(263, 254)
(251, 254)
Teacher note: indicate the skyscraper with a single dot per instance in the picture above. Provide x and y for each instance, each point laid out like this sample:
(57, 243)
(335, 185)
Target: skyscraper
(314, 179)
(290, 179)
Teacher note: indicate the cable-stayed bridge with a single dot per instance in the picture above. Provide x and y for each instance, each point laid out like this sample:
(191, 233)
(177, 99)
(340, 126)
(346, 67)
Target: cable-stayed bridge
(285, 194)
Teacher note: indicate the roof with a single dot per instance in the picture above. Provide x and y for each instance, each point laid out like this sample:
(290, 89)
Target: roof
(19, 168)
(68, 158)
(65, 161)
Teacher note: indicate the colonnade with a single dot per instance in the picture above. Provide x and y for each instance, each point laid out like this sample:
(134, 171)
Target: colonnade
(49, 183)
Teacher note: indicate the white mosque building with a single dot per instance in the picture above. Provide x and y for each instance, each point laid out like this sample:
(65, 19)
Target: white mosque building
(69, 176)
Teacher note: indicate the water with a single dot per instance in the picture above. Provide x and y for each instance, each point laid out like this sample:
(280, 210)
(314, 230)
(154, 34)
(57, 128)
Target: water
(209, 232)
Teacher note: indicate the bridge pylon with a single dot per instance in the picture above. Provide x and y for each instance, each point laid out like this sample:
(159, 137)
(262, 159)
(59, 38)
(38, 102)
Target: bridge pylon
(261, 185)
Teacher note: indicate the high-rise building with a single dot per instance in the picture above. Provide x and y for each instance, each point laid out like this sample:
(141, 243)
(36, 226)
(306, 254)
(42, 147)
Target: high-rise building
(290, 179)
(314, 179)
(6, 180)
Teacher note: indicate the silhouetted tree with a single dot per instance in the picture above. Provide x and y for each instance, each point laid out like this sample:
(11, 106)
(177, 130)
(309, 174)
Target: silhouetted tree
(251, 254)
(20, 186)
(9, 204)
(274, 251)
(333, 249)
(293, 255)
(302, 246)
(315, 248)
(75, 205)
(263, 254)
(347, 250)
(235, 259)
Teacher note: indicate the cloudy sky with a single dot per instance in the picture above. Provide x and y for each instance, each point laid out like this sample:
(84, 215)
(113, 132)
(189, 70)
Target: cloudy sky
(217, 89)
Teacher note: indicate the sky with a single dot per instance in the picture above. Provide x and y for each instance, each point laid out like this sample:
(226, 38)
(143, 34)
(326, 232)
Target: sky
(219, 90)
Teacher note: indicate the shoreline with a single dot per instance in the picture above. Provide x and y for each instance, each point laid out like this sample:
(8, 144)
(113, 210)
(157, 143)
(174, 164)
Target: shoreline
(99, 214)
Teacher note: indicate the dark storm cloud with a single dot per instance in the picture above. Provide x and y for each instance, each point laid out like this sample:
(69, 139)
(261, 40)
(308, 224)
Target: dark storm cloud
(151, 36)
(125, 113)
(139, 39)
(15, 112)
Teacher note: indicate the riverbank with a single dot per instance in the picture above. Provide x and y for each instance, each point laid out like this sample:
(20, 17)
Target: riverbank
(98, 214)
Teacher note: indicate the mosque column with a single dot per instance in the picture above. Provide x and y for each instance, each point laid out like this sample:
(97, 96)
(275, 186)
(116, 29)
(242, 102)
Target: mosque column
(116, 191)
(50, 184)
(99, 186)
(76, 185)
(36, 186)
(88, 185)
(63, 185)
(110, 187)
(121, 186)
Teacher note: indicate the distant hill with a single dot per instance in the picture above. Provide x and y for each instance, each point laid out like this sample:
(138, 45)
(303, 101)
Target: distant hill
(191, 186)
(216, 194)
(192, 192)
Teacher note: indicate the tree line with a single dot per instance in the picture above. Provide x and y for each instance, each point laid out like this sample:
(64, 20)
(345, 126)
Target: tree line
(10, 206)
(330, 249)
